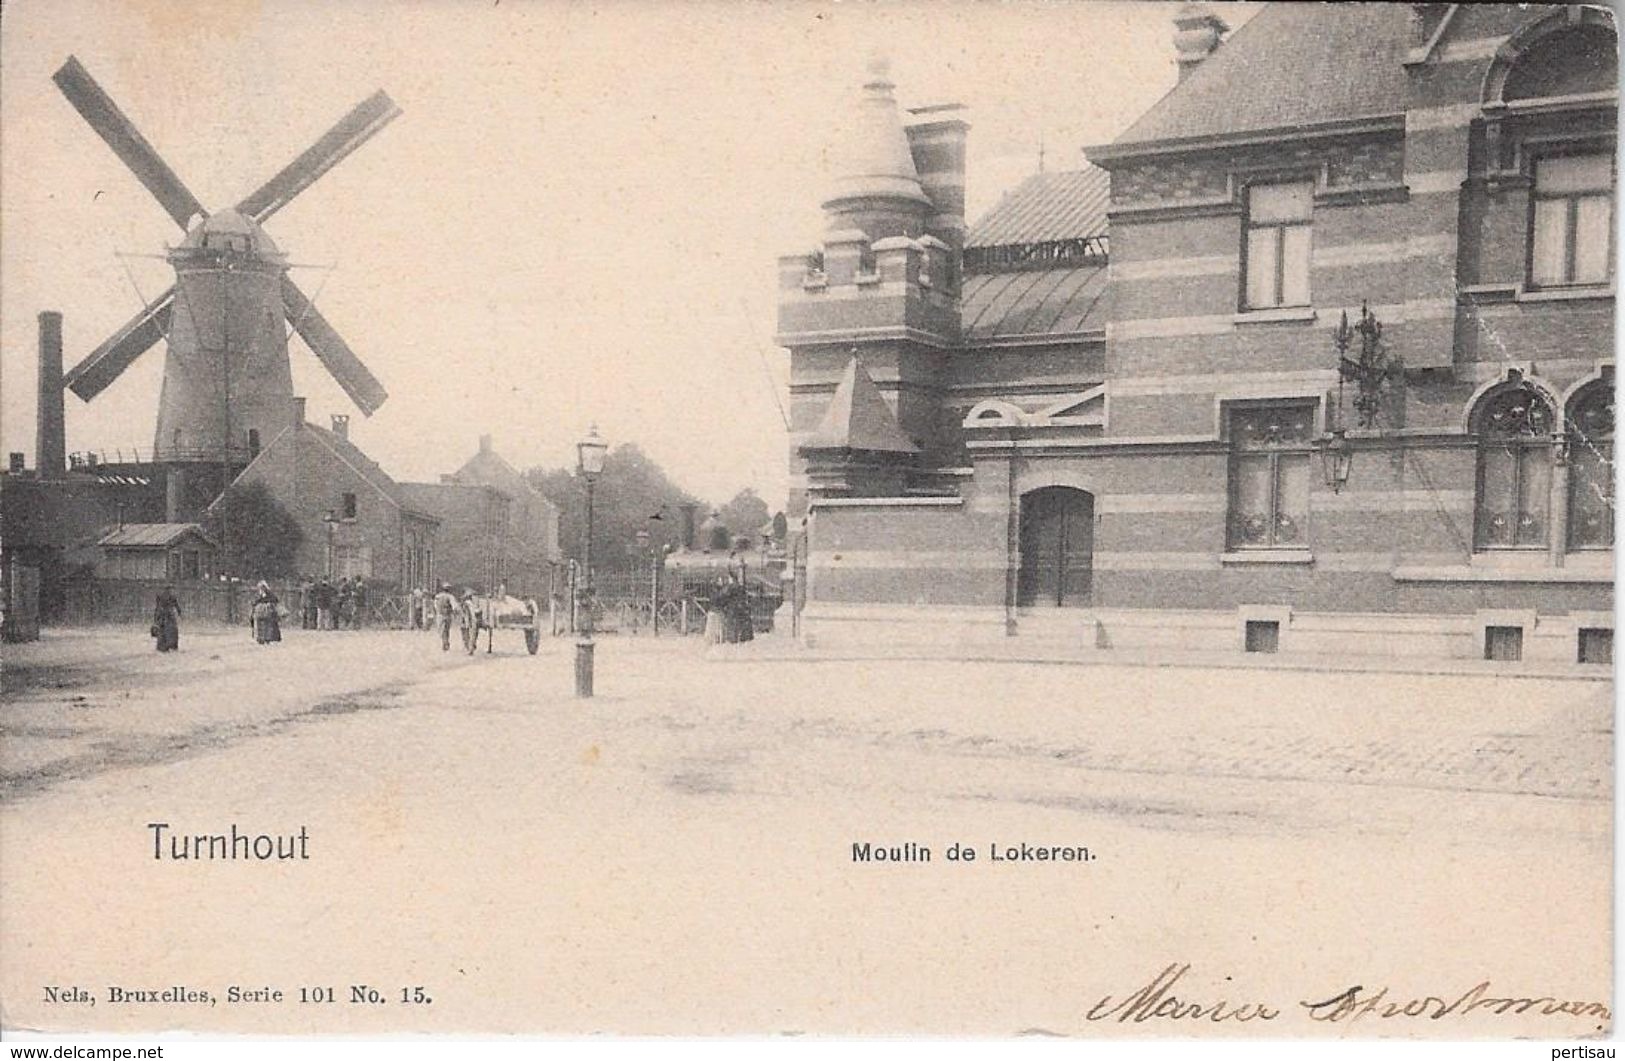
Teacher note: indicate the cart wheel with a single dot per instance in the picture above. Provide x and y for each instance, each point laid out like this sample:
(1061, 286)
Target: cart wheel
(533, 640)
(671, 615)
(471, 630)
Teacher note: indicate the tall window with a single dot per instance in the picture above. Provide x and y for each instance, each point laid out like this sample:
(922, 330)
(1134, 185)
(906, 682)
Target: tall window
(1573, 220)
(1278, 228)
(1514, 469)
(1269, 476)
(1591, 468)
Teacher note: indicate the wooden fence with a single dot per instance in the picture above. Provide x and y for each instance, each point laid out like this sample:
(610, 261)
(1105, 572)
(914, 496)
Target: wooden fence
(106, 600)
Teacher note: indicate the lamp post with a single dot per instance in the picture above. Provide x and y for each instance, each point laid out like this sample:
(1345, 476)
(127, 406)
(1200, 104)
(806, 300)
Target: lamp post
(646, 551)
(589, 465)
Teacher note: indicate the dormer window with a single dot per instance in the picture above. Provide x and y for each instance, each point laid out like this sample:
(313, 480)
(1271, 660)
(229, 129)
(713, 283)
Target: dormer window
(1572, 221)
(1277, 247)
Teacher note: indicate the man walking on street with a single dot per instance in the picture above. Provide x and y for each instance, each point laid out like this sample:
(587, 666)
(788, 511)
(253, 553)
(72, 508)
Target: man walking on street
(324, 605)
(445, 606)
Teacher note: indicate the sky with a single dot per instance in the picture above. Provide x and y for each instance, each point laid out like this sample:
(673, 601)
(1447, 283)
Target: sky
(575, 220)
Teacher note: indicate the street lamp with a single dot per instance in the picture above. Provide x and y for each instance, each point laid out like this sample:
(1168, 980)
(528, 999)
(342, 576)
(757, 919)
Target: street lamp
(589, 465)
(1336, 459)
(1363, 359)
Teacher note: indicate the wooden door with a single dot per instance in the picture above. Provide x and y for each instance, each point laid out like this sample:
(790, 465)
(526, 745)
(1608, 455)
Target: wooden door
(1057, 548)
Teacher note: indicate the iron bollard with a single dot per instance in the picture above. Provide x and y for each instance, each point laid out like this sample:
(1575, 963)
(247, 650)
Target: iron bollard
(584, 648)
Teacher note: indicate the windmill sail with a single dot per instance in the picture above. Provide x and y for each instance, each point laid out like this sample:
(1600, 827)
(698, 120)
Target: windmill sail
(353, 130)
(335, 355)
(98, 109)
(104, 364)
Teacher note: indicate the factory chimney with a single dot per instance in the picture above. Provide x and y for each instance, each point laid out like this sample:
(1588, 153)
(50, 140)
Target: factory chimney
(50, 440)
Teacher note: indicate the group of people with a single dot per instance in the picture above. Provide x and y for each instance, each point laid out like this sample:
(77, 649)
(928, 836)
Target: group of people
(330, 607)
(264, 617)
(727, 612)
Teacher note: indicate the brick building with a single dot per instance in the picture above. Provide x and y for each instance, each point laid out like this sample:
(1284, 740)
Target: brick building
(356, 520)
(1111, 413)
(532, 541)
(472, 534)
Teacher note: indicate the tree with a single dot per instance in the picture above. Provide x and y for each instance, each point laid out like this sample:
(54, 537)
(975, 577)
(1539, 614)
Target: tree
(633, 493)
(258, 538)
(746, 514)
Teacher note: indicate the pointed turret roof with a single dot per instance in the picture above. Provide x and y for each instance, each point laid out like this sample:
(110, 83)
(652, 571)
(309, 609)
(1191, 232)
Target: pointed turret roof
(873, 159)
(858, 418)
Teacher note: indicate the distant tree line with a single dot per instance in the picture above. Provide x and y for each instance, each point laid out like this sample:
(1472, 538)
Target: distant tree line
(634, 493)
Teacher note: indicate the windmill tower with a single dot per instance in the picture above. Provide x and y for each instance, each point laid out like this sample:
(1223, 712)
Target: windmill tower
(227, 383)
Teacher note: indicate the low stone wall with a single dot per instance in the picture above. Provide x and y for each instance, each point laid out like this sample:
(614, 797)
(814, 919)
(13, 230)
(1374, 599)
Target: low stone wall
(1064, 633)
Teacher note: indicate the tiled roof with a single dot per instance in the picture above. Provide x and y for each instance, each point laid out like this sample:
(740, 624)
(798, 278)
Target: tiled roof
(858, 418)
(1046, 207)
(151, 534)
(1292, 64)
(1034, 302)
(364, 465)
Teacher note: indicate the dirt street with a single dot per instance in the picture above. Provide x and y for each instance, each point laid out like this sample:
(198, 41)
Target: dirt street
(679, 854)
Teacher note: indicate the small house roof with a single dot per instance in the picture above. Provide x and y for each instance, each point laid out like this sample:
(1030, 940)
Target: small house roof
(151, 535)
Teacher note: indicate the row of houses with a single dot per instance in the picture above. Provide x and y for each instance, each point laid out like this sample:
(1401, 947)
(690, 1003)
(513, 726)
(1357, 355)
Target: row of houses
(480, 526)
(1317, 355)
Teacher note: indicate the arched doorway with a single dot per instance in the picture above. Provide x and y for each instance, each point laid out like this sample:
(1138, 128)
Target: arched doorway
(1057, 548)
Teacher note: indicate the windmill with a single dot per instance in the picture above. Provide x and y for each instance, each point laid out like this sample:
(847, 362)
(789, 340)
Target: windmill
(227, 382)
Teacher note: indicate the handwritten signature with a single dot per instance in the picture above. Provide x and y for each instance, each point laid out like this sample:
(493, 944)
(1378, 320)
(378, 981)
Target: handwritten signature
(1157, 1000)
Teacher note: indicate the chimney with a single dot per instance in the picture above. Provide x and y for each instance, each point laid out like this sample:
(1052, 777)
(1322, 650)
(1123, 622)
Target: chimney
(298, 412)
(341, 425)
(485, 443)
(1197, 33)
(688, 525)
(936, 140)
(175, 493)
(50, 441)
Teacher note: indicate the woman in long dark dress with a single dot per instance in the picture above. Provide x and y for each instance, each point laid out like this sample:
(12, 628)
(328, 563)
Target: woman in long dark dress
(267, 623)
(166, 621)
(739, 618)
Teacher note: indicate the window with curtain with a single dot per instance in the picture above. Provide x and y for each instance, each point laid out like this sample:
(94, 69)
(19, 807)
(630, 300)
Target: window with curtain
(1269, 475)
(1591, 468)
(1277, 250)
(1572, 221)
(1514, 470)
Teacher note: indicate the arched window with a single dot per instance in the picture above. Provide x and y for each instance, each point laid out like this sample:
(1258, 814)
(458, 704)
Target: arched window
(1591, 468)
(1514, 428)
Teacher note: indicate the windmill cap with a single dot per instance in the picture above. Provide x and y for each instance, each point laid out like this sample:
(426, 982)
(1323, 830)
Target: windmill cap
(229, 230)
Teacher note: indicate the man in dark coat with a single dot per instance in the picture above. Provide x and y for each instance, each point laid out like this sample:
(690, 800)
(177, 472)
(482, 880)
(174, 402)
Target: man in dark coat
(346, 615)
(166, 620)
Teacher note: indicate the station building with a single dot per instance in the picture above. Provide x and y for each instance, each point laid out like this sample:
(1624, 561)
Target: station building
(1124, 408)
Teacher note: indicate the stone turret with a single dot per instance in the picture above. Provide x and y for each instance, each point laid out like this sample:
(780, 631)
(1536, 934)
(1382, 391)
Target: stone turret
(883, 284)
